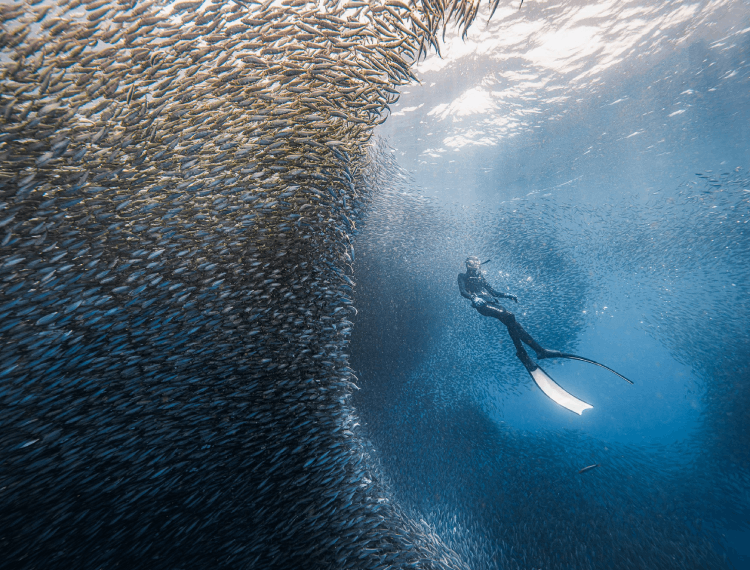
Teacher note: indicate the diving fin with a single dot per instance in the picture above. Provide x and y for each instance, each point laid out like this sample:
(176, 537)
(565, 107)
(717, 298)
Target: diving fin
(556, 393)
(557, 354)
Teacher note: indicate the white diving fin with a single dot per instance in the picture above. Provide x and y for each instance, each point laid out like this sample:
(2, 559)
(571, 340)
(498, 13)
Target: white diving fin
(556, 393)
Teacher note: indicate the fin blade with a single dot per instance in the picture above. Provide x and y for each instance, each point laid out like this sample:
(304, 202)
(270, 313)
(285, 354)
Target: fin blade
(574, 357)
(555, 393)
(588, 360)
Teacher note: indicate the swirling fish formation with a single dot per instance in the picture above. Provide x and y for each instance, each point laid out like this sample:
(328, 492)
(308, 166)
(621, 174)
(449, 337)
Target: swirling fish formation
(179, 187)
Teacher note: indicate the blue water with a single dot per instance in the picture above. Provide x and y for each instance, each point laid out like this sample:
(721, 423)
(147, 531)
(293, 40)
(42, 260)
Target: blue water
(599, 155)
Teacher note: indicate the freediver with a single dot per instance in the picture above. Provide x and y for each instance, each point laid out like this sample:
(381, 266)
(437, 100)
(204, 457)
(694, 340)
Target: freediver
(475, 287)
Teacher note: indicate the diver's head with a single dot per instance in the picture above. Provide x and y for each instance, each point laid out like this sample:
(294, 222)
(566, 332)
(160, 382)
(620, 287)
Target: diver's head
(473, 264)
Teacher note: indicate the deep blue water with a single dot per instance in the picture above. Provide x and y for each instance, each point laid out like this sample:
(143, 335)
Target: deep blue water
(599, 156)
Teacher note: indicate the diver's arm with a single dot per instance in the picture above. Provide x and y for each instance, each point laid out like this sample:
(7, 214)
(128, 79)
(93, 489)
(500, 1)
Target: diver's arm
(498, 294)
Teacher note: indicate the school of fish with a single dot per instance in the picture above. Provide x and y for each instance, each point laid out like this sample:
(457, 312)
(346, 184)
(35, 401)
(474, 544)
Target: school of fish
(180, 183)
(507, 497)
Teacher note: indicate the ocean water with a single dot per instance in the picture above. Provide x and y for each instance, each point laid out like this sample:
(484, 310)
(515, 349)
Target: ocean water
(176, 292)
(598, 154)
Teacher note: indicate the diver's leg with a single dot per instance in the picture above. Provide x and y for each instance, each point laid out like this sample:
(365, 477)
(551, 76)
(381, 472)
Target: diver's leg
(514, 327)
(540, 377)
(541, 352)
(526, 337)
(515, 331)
(521, 353)
(497, 312)
(518, 335)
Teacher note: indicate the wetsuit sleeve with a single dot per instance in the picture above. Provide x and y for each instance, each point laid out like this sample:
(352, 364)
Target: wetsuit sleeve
(462, 286)
(492, 291)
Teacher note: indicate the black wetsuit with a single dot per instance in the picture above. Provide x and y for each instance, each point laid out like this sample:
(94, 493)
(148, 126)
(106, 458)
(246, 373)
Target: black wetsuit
(475, 284)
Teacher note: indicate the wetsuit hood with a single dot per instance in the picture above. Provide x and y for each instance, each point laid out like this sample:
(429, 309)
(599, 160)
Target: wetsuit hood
(473, 264)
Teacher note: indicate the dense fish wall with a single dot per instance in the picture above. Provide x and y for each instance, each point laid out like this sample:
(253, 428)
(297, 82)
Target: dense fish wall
(179, 186)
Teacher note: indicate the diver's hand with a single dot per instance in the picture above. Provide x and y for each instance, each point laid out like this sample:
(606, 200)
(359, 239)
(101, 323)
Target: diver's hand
(512, 297)
(477, 302)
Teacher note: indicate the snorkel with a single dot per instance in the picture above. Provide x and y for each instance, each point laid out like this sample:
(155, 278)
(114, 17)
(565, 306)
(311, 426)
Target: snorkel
(473, 265)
